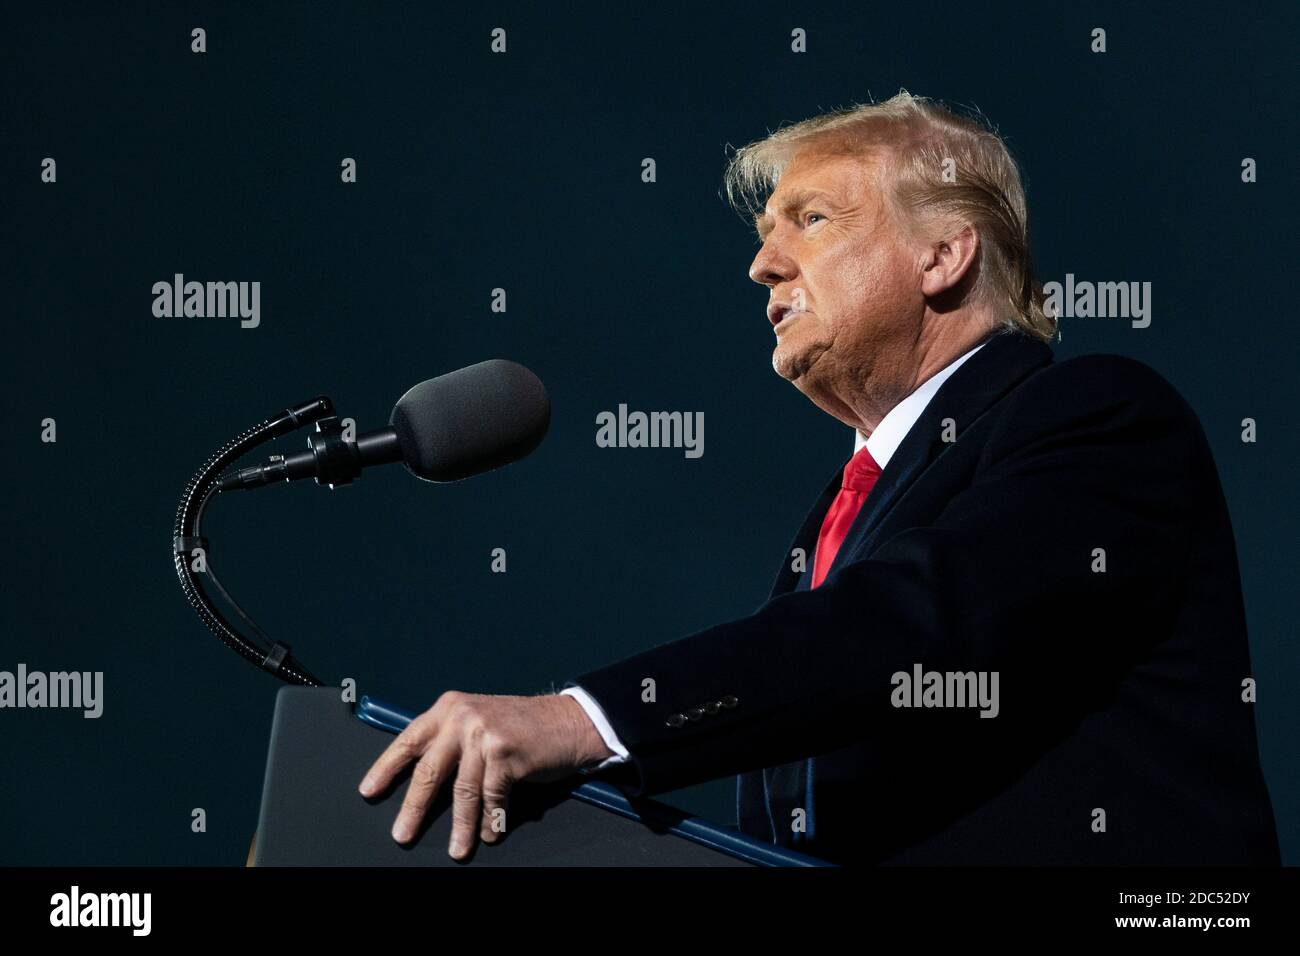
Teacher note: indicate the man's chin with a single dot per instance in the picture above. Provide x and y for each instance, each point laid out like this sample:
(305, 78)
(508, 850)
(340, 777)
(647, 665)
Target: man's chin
(792, 362)
(784, 366)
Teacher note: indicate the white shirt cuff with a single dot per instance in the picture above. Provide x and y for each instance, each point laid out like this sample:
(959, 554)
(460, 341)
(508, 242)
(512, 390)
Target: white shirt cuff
(602, 725)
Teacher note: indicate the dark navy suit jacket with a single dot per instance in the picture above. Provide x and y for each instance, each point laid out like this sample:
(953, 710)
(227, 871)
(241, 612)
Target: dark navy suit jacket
(1122, 736)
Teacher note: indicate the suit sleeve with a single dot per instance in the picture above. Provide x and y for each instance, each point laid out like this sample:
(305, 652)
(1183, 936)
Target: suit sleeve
(1092, 461)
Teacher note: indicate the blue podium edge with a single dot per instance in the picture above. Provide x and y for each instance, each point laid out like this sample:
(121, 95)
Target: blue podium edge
(658, 816)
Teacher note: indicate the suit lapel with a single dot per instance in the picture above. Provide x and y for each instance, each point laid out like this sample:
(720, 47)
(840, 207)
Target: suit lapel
(1005, 360)
(787, 579)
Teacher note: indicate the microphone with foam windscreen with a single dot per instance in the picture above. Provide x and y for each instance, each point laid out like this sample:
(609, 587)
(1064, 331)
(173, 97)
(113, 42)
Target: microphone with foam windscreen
(460, 424)
(471, 421)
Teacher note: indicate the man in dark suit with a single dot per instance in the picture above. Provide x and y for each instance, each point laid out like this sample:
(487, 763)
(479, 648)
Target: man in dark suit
(1010, 629)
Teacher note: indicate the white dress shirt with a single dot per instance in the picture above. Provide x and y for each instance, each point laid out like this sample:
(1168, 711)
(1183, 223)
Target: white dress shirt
(882, 444)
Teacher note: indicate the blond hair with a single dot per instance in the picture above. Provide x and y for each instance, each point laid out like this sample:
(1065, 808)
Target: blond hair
(940, 170)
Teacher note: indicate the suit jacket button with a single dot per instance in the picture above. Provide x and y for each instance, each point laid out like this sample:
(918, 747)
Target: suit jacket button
(676, 720)
(712, 707)
(729, 702)
(695, 713)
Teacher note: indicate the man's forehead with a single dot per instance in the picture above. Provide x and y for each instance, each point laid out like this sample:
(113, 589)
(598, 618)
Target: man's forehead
(808, 177)
(825, 169)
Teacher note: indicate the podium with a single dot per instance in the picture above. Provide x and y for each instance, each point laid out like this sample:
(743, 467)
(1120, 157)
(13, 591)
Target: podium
(312, 814)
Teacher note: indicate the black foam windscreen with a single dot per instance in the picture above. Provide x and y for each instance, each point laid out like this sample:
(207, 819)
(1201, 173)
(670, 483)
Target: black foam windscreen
(471, 420)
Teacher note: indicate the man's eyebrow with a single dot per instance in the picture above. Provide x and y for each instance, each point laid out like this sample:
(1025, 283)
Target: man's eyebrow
(795, 200)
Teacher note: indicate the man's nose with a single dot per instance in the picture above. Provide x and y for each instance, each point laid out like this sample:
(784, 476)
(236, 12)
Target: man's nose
(772, 265)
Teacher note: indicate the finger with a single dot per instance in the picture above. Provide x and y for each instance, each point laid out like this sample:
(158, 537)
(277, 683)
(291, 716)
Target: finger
(467, 794)
(426, 780)
(496, 798)
(407, 746)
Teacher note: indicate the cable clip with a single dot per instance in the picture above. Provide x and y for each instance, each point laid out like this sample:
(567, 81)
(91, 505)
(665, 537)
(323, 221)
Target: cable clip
(185, 546)
(275, 657)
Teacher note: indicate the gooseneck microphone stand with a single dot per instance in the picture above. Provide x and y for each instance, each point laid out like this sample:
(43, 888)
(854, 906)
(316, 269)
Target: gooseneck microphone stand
(261, 650)
(498, 409)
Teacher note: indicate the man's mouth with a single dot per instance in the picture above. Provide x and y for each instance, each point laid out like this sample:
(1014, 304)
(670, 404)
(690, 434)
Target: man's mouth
(780, 318)
(778, 312)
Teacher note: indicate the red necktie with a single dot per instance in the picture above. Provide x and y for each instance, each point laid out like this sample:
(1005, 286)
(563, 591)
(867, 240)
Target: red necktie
(860, 476)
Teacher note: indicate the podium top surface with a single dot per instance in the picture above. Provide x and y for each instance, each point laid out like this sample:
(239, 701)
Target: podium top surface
(312, 814)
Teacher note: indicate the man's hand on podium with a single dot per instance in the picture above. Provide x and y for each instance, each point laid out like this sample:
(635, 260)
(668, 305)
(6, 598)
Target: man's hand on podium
(491, 743)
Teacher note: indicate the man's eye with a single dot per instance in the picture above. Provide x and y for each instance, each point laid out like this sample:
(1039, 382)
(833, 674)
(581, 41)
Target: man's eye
(809, 217)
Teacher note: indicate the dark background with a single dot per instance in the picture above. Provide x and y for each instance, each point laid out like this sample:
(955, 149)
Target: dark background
(523, 171)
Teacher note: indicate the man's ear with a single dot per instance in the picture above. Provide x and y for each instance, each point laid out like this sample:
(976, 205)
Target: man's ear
(948, 261)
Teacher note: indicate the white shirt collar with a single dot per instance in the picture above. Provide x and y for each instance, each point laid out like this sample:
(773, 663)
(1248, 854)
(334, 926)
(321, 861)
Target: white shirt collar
(893, 428)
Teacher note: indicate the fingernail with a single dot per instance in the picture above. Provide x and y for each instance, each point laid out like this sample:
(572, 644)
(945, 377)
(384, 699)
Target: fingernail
(401, 831)
(367, 785)
(457, 847)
